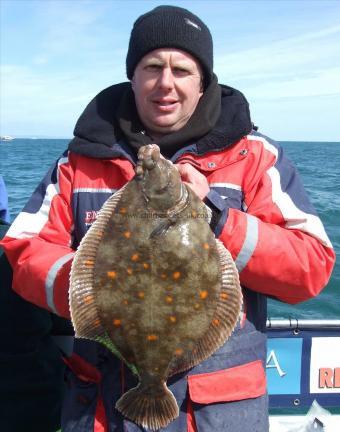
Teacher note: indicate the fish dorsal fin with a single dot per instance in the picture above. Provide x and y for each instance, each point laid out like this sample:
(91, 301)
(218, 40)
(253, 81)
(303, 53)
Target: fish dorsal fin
(224, 320)
(83, 308)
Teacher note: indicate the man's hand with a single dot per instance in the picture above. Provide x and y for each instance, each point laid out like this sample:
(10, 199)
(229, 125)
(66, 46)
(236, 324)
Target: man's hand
(194, 179)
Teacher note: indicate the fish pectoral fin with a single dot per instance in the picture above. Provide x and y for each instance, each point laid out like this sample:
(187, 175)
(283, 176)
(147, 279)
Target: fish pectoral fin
(163, 227)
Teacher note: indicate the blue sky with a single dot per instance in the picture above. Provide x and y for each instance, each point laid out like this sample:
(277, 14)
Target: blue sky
(283, 55)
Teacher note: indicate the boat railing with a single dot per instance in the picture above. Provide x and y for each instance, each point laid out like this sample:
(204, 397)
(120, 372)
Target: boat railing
(302, 324)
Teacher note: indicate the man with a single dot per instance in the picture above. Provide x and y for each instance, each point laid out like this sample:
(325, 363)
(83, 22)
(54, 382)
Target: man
(259, 211)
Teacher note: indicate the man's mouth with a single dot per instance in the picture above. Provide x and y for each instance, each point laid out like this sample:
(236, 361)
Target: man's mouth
(165, 104)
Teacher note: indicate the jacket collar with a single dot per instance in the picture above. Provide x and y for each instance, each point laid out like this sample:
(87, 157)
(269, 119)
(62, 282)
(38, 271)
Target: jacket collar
(98, 135)
(200, 123)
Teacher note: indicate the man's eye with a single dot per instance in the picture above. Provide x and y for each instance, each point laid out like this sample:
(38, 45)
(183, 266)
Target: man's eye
(153, 68)
(181, 71)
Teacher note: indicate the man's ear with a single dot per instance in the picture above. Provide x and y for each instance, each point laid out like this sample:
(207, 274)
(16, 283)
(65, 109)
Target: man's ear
(133, 83)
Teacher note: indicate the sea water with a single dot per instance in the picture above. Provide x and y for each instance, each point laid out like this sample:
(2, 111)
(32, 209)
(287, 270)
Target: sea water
(23, 162)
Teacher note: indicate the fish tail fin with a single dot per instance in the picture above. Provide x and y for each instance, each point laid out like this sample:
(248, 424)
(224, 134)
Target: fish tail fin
(152, 408)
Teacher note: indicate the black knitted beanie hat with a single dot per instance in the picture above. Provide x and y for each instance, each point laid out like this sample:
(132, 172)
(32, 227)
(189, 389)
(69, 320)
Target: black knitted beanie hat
(171, 27)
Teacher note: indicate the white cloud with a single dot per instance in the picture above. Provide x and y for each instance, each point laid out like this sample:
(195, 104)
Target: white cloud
(314, 84)
(305, 64)
(292, 85)
(76, 32)
(298, 119)
(34, 102)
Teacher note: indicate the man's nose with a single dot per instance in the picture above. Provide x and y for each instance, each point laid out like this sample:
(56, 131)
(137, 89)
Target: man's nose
(166, 78)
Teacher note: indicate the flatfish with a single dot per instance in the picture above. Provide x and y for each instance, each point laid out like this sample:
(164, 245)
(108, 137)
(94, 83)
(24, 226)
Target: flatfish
(150, 281)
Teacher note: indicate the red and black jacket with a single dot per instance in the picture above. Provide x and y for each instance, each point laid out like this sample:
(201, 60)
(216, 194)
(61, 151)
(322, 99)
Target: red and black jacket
(265, 220)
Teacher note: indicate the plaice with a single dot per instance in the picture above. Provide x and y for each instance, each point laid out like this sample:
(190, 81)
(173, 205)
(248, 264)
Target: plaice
(150, 281)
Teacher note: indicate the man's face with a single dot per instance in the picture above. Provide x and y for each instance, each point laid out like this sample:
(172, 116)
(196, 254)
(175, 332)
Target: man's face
(167, 84)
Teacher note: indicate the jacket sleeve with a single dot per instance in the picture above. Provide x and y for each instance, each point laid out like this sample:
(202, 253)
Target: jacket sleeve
(38, 244)
(278, 242)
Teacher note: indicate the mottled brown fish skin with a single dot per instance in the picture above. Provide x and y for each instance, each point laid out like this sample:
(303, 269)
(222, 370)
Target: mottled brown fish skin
(165, 288)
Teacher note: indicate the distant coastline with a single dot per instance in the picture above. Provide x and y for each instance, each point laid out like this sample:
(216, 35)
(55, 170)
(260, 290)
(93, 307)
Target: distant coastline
(32, 137)
(46, 137)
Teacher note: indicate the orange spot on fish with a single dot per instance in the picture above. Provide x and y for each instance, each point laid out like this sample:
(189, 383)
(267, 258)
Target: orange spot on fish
(122, 210)
(127, 234)
(125, 302)
(172, 319)
(168, 299)
(178, 351)
(96, 323)
(216, 322)
(152, 337)
(88, 299)
(206, 246)
(194, 214)
(135, 257)
(224, 296)
(129, 271)
(89, 263)
(146, 266)
(163, 276)
(203, 294)
(176, 275)
(117, 322)
(141, 294)
(111, 274)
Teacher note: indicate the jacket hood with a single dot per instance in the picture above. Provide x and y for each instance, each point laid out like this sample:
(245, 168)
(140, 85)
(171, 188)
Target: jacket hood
(97, 133)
